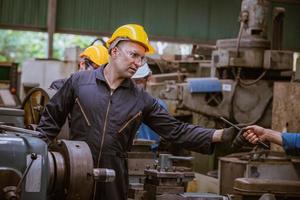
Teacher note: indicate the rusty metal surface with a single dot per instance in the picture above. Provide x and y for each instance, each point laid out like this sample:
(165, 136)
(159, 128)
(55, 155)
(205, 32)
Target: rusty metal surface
(226, 175)
(253, 186)
(278, 60)
(286, 111)
(175, 108)
(277, 27)
(140, 155)
(176, 76)
(143, 142)
(169, 174)
(136, 166)
(251, 103)
(33, 105)
(9, 177)
(251, 53)
(57, 172)
(257, 11)
(136, 191)
(139, 158)
(165, 178)
(259, 165)
(208, 103)
(78, 177)
(155, 190)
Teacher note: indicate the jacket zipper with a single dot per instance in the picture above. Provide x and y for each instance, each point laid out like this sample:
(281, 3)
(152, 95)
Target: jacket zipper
(103, 136)
(130, 120)
(104, 128)
(82, 111)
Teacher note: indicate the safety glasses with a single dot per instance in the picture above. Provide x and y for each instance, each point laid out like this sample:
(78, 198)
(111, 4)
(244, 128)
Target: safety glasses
(133, 55)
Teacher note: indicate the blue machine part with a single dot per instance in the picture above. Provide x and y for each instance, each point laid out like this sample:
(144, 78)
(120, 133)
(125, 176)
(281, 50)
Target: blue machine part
(15, 157)
(201, 85)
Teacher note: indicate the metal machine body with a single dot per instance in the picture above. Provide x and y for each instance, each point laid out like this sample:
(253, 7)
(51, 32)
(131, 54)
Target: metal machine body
(12, 116)
(29, 170)
(166, 181)
(250, 175)
(139, 158)
(246, 67)
(15, 158)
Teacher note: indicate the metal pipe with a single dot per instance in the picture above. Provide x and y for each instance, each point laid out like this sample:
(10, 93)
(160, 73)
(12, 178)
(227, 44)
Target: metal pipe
(20, 130)
(239, 129)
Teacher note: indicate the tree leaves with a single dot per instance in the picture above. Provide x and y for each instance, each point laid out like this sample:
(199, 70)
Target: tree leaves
(18, 46)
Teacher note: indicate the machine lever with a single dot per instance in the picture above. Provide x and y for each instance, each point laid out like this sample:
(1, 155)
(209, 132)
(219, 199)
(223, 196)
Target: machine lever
(33, 158)
(240, 136)
(165, 161)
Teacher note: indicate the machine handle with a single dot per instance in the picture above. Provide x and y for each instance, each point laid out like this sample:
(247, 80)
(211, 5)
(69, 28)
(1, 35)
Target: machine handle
(33, 158)
(104, 175)
(181, 158)
(240, 137)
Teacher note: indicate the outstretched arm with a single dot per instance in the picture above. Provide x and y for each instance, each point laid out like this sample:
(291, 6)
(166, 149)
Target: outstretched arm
(256, 133)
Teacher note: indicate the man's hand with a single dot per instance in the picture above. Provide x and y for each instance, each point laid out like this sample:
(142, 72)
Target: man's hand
(229, 135)
(255, 133)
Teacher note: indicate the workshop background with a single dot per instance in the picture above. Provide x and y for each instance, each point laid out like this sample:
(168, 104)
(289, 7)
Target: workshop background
(216, 61)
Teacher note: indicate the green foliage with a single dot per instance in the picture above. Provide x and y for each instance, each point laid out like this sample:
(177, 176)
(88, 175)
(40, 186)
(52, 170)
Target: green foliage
(61, 41)
(17, 46)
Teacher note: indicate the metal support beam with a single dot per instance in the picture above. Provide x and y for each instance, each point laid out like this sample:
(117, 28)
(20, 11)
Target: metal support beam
(277, 23)
(51, 22)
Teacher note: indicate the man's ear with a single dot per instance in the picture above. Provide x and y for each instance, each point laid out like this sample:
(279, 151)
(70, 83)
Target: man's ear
(81, 65)
(113, 52)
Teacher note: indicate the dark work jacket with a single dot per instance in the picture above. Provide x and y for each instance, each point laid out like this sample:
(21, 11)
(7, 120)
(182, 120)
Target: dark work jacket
(57, 84)
(108, 121)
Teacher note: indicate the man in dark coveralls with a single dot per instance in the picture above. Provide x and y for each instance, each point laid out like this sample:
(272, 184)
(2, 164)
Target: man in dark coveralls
(107, 108)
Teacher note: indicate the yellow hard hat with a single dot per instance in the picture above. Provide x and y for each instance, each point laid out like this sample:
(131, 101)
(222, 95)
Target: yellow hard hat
(132, 32)
(96, 53)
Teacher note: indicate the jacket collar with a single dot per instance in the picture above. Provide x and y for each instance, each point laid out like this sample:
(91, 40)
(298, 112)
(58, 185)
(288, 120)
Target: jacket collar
(100, 75)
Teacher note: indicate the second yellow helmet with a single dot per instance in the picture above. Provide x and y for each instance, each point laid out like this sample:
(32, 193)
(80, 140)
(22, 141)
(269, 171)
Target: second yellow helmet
(96, 53)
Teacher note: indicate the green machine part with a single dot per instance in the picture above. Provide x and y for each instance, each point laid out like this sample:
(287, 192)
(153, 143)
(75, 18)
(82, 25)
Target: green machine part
(23, 155)
(30, 170)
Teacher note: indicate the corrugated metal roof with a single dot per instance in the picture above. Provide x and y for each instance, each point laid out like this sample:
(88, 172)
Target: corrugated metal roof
(20, 14)
(177, 20)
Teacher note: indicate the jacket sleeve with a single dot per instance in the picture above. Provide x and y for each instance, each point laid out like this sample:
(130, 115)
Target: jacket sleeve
(291, 143)
(56, 111)
(189, 136)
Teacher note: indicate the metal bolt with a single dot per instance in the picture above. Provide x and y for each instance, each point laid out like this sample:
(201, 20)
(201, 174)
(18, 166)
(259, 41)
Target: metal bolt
(33, 156)
(59, 142)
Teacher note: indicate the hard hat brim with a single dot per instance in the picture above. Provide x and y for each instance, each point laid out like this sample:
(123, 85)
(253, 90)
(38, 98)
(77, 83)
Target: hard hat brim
(111, 44)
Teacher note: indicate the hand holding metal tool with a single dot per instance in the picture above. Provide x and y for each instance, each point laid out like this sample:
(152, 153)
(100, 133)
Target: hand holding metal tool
(240, 140)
